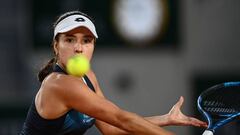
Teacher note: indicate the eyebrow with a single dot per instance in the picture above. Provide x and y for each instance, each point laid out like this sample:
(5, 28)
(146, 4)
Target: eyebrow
(69, 35)
(85, 36)
(88, 36)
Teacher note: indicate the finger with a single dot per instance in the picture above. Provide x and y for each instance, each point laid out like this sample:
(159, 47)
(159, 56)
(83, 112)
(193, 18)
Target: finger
(198, 122)
(193, 124)
(180, 102)
(199, 125)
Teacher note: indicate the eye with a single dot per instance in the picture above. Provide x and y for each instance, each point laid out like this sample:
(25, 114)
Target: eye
(87, 40)
(70, 40)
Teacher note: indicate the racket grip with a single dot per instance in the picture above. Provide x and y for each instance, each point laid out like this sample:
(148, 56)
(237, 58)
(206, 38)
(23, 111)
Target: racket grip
(207, 132)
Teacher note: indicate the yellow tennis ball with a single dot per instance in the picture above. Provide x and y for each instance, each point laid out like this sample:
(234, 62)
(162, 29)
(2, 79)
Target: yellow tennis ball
(78, 65)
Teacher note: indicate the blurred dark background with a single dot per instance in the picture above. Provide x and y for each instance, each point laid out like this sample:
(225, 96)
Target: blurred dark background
(155, 50)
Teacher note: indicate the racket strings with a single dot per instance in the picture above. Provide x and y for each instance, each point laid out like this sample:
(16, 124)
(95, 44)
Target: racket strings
(224, 110)
(222, 102)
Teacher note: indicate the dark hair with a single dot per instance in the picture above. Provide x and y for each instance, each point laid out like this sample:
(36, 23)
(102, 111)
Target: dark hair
(48, 68)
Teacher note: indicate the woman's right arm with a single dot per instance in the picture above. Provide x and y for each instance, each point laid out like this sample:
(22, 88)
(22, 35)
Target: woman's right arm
(73, 93)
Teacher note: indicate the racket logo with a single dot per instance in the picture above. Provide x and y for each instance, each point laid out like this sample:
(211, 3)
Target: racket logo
(80, 19)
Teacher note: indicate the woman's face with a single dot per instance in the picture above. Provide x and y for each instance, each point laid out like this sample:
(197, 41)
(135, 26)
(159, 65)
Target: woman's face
(76, 41)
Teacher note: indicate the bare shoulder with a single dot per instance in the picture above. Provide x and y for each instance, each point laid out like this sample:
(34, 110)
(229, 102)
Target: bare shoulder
(50, 100)
(58, 82)
(57, 86)
(58, 90)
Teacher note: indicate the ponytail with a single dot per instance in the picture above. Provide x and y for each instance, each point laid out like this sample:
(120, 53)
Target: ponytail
(46, 70)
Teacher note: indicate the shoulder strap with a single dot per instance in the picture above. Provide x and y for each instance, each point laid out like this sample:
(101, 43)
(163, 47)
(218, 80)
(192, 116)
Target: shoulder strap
(89, 83)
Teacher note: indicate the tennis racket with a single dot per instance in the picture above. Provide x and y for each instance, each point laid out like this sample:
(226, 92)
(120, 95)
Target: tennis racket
(220, 105)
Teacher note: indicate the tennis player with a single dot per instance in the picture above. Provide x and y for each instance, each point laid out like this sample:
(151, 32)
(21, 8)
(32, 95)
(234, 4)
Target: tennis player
(68, 105)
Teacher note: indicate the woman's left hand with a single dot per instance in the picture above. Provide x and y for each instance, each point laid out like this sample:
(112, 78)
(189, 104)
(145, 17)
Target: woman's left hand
(176, 117)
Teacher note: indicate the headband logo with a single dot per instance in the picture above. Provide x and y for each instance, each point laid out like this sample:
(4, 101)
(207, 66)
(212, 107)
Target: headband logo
(79, 19)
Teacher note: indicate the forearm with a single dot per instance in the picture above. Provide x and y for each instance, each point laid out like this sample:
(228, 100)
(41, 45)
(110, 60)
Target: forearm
(161, 120)
(107, 129)
(131, 124)
(147, 127)
(137, 125)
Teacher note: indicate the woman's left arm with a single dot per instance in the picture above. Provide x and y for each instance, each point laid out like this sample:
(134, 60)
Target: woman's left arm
(174, 117)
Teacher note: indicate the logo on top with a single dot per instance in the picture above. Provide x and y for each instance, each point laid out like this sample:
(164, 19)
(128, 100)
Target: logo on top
(80, 19)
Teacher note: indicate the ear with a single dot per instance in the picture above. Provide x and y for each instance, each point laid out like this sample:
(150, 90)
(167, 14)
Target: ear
(55, 47)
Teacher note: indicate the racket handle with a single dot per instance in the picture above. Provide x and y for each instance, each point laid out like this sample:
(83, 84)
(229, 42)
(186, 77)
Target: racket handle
(207, 132)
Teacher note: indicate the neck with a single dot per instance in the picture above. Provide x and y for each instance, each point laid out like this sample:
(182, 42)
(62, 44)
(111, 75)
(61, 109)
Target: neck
(61, 66)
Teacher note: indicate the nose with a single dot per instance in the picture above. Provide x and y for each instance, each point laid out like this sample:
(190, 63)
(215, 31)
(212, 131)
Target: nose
(78, 48)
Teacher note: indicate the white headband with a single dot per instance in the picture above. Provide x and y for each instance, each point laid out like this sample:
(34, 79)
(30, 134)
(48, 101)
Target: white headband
(72, 22)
